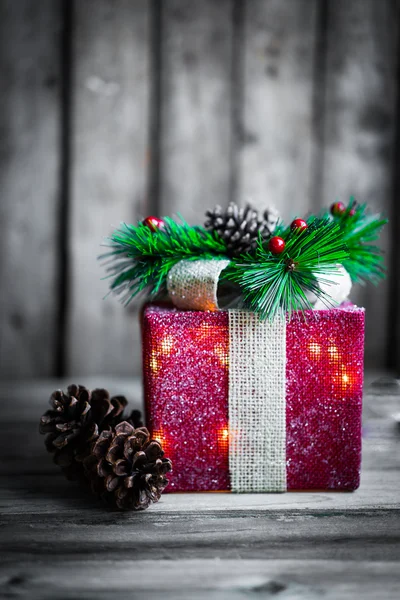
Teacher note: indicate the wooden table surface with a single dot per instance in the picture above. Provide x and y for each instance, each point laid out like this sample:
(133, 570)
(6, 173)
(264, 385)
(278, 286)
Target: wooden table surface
(58, 543)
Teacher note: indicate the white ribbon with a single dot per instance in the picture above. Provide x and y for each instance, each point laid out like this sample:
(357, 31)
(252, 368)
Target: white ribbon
(336, 285)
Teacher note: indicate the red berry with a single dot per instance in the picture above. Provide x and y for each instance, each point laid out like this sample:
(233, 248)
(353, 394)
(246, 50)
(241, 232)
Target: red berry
(153, 223)
(299, 224)
(338, 209)
(352, 212)
(276, 245)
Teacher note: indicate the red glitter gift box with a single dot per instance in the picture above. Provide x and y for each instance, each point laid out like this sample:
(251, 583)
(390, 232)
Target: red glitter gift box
(190, 372)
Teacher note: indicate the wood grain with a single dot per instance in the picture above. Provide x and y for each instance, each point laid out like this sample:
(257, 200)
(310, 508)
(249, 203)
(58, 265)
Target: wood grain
(57, 542)
(293, 535)
(357, 152)
(216, 579)
(109, 174)
(30, 123)
(196, 106)
(275, 151)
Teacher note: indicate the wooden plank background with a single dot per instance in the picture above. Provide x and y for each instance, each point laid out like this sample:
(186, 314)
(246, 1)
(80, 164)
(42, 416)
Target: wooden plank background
(30, 124)
(111, 110)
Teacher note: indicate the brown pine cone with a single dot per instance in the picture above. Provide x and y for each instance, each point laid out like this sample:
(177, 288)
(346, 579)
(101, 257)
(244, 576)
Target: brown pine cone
(107, 412)
(240, 228)
(127, 468)
(135, 419)
(74, 422)
(70, 428)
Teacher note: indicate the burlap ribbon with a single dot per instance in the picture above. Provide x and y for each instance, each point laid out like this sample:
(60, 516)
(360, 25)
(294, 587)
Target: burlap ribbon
(257, 403)
(193, 284)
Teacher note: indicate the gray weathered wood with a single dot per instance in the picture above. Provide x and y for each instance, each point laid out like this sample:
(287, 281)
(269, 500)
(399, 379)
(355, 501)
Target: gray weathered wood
(29, 168)
(109, 174)
(214, 579)
(57, 542)
(275, 150)
(361, 67)
(42, 490)
(312, 535)
(195, 106)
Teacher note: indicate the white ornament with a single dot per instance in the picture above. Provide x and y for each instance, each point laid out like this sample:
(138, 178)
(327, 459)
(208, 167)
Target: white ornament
(336, 285)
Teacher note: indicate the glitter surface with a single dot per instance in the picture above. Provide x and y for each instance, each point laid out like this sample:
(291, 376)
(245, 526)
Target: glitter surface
(186, 380)
(324, 380)
(185, 361)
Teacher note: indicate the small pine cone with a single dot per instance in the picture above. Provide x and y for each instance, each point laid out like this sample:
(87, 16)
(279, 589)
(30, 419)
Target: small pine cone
(69, 428)
(127, 468)
(240, 228)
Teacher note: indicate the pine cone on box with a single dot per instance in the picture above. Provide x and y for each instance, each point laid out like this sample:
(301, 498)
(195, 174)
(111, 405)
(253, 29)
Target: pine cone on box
(127, 468)
(240, 227)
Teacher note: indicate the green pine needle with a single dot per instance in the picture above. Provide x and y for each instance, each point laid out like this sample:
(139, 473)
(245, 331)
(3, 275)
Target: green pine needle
(277, 284)
(365, 261)
(141, 258)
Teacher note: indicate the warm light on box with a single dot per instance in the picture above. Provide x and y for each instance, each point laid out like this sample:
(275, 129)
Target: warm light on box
(186, 382)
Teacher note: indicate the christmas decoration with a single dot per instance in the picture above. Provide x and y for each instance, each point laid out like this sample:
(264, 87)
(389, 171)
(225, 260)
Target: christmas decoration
(359, 230)
(274, 284)
(337, 209)
(153, 223)
(240, 228)
(131, 473)
(267, 394)
(130, 466)
(276, 245)
(271, 218)
(236, 255)
(70, 428)
(298, 224)
(262, 406)
(142, 259)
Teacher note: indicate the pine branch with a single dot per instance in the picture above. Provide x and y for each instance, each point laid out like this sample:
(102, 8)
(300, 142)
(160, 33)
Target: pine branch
(274, 284)
(139, 259)
(360, 230)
